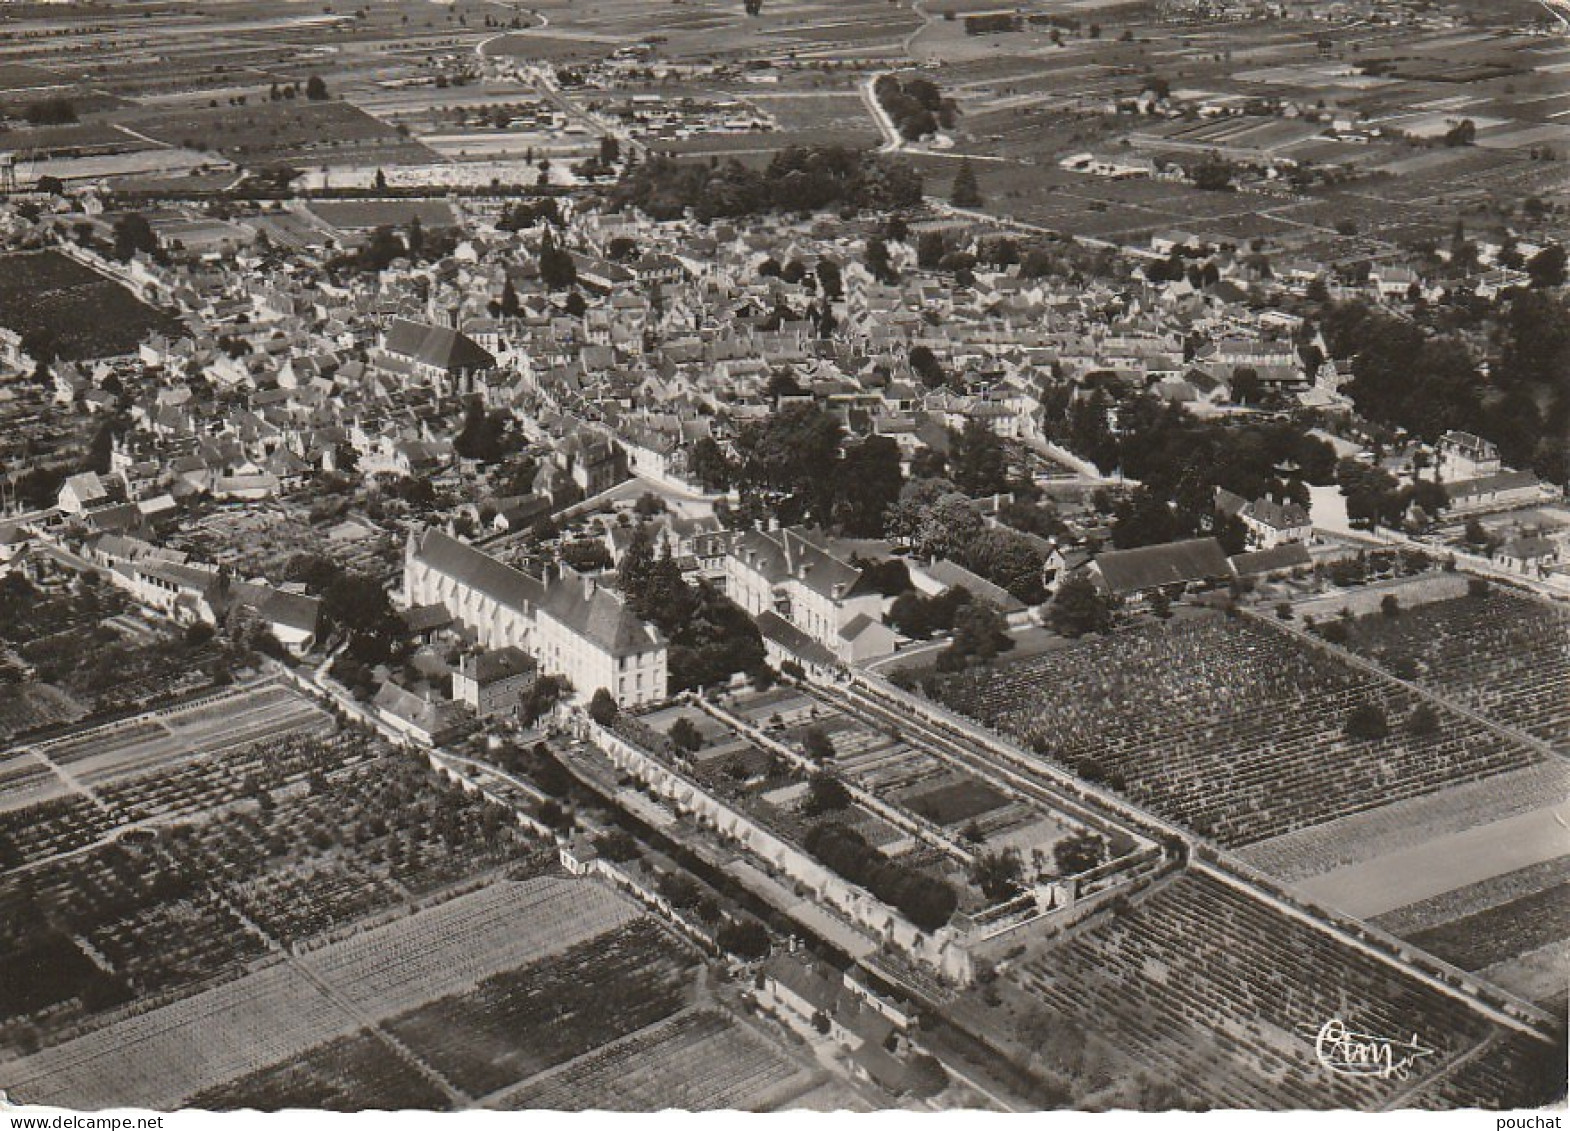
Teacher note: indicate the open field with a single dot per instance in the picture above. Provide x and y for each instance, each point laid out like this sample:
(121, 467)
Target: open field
(1502, 932)
(269, 133)
(28, 706)
(208, 725)
(1231, 727)
(350, 1073)
(178, 877)
(1397, 879)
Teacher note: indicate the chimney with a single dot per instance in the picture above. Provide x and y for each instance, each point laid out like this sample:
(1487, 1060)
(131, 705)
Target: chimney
(588, 587)
(839, 590)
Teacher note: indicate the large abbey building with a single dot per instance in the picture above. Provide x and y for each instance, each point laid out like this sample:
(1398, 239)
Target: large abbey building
(570, 624)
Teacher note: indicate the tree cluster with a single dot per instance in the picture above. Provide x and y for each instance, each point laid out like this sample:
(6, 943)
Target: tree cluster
(927, 901)
(711, 638)
(916, 106)
(796, 180)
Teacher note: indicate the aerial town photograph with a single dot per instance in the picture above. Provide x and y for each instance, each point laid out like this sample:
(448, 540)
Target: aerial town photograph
(784, 556)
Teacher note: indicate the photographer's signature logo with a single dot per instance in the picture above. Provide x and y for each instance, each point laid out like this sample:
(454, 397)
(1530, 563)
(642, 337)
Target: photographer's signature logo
(1349, 1053)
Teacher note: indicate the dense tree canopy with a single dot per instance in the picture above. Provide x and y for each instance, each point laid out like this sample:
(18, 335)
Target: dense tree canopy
(796, 180)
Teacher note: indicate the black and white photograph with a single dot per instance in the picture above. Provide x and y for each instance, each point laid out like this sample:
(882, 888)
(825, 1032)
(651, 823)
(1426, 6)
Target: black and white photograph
(784, 556)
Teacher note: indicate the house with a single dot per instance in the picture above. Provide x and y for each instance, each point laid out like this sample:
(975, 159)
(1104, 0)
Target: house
(1530, 554)
(588, 634)
(1272, 562)
(1462, 455)
(1135, 574)
(420, 717)
(1061, 562)
(1493, 492)
(939, 576)
(784, 643)
(82, 491)
(493, 682)
(440, 356)
(292, 618)
(492, 602)
(795, 574)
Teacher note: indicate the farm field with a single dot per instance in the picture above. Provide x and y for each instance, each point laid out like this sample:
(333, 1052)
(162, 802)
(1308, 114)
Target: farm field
(1396, 879)
(1503, 655)
(28, 706)
(351, 1073)
(1406, 824)
(1231, 727)
(84, 314)
(163, 1057)
(1212, 990)
(696, 1061)
(208, 725)
(267, 133)
(575, 999)
(180, 876)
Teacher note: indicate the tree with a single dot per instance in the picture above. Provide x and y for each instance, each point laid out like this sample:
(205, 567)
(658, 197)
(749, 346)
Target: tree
(749, 938)
(1078, 853)
(980, 634)
(925, 1075)
(789, 455)
(825, 794)
(381, 177)
(509, 305)
(602, 707)
(710, 466)
(1547, 267)
(877, 260)
(1366, 721)
(316, 89)
(816, 744)
(132, 234)
(830, 282)
(685, 735)
(868, 482)
(966, 192)
(997, 874)
(50, 112)
(1423, 722)
(557, 269)
(908, 615)
(1213, 173)
(1246, 385)
(930, 250)
(978, 462)
(925, 365)
(1079, 608)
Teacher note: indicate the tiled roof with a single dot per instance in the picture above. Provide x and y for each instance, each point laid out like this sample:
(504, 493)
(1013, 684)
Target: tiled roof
(477, 570)
(436, 346)
(600, 616)
(1175, 563)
